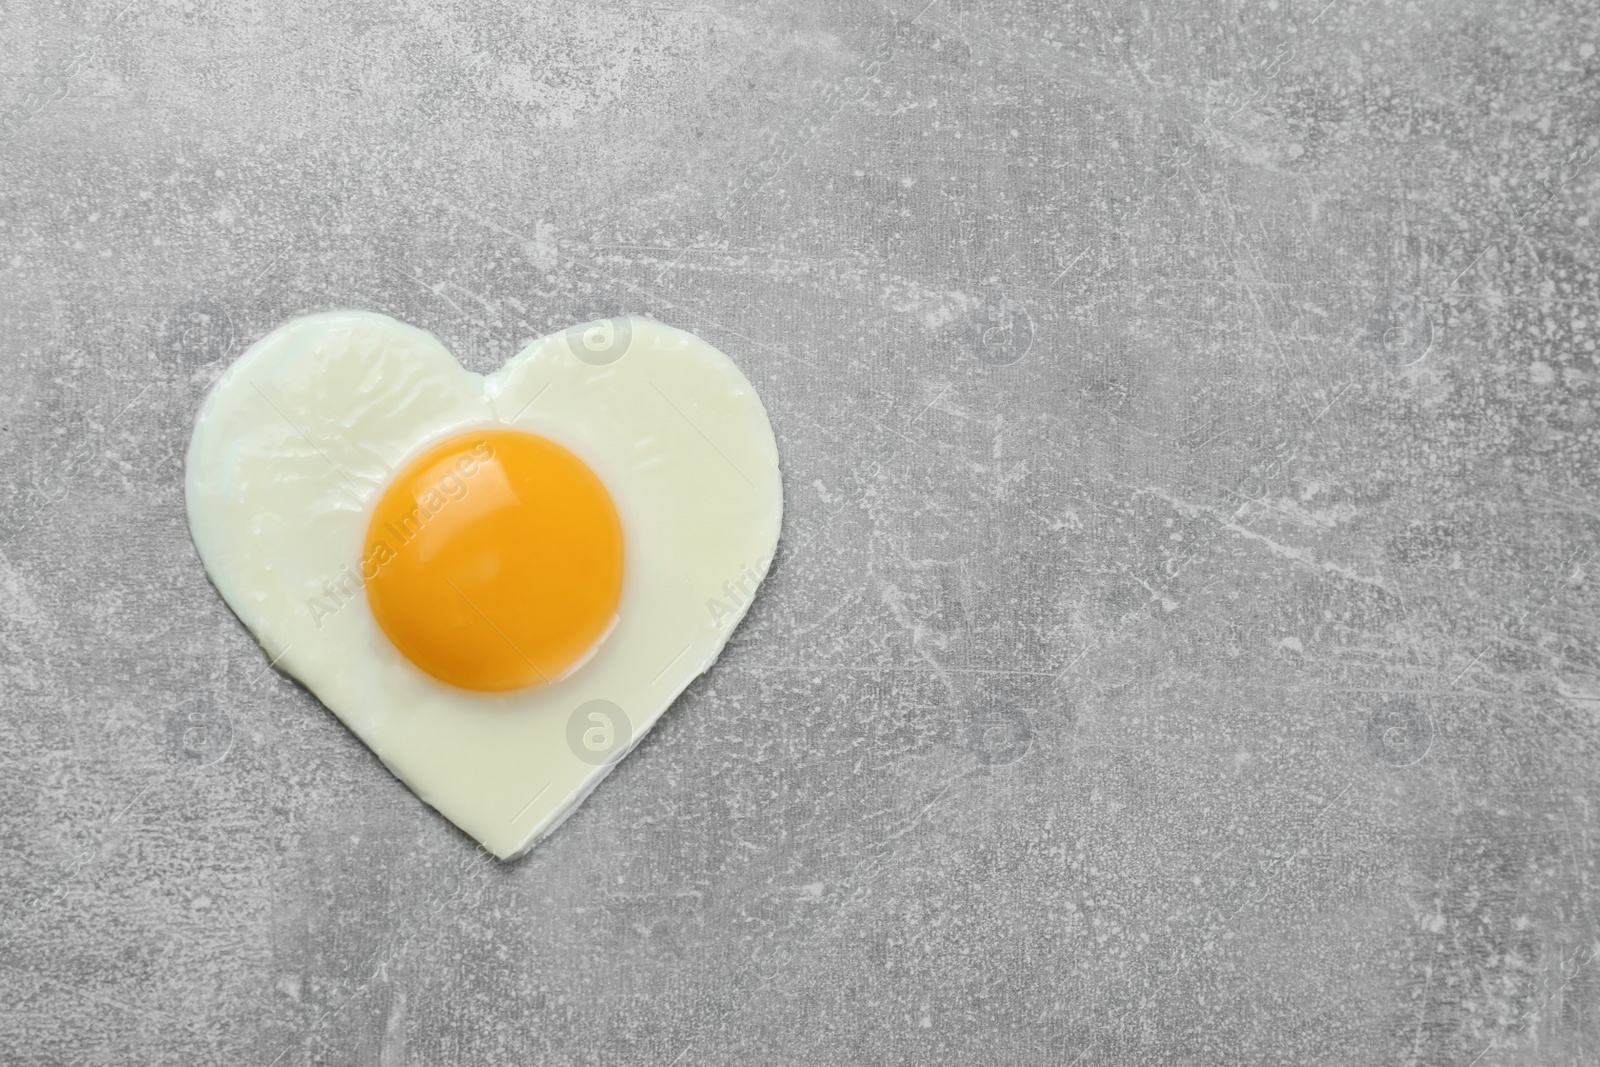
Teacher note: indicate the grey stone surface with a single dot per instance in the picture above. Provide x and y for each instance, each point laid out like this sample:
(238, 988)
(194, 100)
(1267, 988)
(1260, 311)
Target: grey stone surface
(1183, 648)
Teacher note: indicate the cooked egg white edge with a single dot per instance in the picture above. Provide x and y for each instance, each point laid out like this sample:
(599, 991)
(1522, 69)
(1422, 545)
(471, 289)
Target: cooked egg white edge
(299, 437)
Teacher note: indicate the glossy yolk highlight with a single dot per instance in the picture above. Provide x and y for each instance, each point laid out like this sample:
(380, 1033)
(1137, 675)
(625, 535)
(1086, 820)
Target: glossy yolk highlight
(494, 560)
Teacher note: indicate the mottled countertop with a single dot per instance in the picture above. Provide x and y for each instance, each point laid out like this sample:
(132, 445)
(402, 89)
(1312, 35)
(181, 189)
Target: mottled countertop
(1183, 646)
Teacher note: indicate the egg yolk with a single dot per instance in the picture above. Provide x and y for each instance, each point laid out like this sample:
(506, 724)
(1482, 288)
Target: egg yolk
(494, 560)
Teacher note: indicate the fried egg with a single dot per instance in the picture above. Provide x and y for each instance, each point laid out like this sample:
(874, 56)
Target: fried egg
(497, 582)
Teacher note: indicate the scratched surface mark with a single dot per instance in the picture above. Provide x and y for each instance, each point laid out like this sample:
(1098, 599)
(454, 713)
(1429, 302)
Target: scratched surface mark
(1183, 643)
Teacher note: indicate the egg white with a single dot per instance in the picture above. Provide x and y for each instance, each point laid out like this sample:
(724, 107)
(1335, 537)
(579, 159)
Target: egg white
(298, 439)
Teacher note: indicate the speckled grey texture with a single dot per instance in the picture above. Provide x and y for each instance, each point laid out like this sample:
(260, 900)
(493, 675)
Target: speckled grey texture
(1183, 646)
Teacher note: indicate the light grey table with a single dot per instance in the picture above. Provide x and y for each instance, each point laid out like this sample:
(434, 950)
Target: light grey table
(1183, 649)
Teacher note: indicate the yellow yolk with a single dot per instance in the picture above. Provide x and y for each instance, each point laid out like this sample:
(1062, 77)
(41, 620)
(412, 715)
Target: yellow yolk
(494, 560)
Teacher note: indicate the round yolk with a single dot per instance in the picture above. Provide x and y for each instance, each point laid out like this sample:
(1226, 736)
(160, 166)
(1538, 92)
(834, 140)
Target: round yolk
(494, 560)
